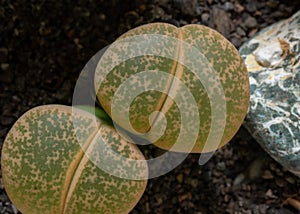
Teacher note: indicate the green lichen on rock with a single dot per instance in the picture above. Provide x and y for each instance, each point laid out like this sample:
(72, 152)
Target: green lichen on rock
(45, 169)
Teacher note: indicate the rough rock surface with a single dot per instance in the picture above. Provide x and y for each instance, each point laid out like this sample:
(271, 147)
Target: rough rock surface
(273, 61)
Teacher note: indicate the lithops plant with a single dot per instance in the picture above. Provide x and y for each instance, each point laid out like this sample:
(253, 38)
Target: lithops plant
(273, 61)
(188, 83)
(194, 62)
(46, 168)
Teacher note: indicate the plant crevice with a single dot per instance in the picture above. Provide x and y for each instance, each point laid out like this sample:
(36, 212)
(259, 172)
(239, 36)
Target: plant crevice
(176, 71)
(74, 172)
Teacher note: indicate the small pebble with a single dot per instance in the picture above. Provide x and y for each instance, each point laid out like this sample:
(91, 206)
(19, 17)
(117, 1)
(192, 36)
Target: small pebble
(222, 21)
(252, 32)
(194, 183)
(251, 7)
(250, 22)
(16, 98)
(238, 8)
(240, 31)
(221, 166)
(187, 7)
(102, 16)
(238, 179)
(276, 14)
(289, 179)
(267, 175)
(269, 194)
(157, 12)
(272, 4)
(4, 66)
(228, 6)
(179, 178)
(205, 17)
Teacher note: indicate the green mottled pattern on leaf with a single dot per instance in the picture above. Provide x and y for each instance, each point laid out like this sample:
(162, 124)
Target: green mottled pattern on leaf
(229, 65)
(115, 195)
(145, 103)
(217, 54)
(44, 166)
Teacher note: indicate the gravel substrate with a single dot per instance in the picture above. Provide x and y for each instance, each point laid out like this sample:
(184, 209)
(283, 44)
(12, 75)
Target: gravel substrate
(45, 44)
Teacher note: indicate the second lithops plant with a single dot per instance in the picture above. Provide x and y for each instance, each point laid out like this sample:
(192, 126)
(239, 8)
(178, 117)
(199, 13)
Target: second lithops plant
(192, 60)
(46, 170)
(187, 83)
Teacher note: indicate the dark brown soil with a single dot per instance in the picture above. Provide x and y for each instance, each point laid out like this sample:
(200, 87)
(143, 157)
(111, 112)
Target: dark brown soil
(45, 44)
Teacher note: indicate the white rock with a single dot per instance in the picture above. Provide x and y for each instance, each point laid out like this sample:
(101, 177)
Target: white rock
(273, 62)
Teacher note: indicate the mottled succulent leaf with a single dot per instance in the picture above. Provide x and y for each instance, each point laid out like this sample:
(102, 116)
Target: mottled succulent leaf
(145, 103)
(45, 169)
(170, 56)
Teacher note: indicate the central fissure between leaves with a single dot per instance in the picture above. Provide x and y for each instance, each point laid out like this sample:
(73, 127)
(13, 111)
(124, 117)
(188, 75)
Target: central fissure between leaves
(74, 172)
(166, 101)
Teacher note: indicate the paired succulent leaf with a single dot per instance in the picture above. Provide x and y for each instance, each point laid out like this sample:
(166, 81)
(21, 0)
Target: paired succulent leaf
(45, 168)
(180, 52)
(53, 156)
